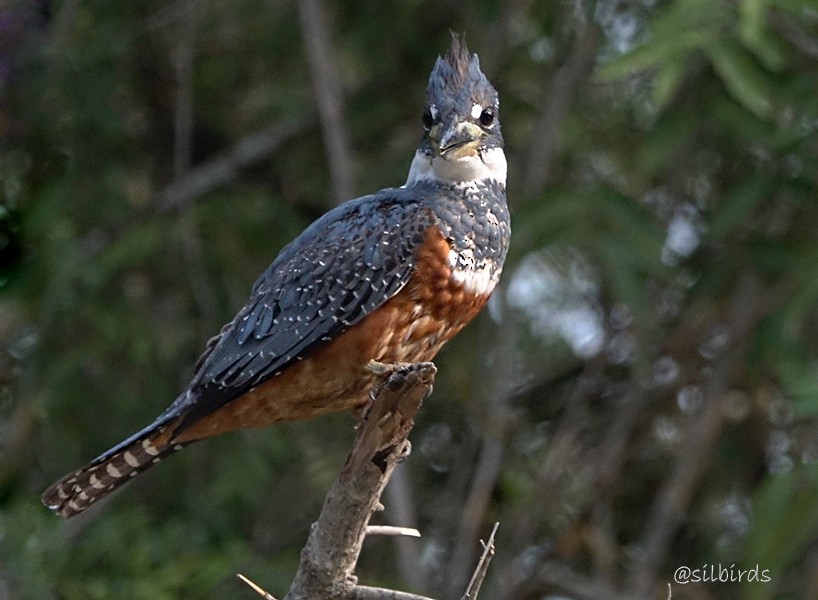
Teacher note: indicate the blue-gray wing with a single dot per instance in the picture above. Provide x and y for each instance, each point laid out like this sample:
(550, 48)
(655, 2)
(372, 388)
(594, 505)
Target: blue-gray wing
(340, 269)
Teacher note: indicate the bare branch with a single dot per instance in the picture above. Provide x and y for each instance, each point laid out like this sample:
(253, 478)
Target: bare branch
(360, 592)
(473, 589)
(224, 167)
(363, 592)
(334, 544)
(392, 530)
(256, 588)
(205, 177)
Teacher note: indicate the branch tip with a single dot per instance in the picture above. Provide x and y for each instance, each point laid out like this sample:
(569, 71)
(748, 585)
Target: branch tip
(256, 588)
(392, 530)
(473, 589)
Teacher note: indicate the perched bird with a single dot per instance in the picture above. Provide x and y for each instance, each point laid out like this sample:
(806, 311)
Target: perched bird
(388, 277)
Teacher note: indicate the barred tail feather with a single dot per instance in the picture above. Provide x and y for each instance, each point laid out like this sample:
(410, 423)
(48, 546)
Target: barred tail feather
(79, 490)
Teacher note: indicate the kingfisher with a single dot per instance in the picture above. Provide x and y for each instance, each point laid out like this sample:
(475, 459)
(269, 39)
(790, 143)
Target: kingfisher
(384, 278)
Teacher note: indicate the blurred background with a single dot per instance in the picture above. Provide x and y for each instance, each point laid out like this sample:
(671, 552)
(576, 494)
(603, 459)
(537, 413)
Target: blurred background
(640, 395)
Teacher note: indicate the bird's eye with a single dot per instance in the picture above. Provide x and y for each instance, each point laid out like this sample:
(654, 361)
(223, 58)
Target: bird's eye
(487, 117)
(427, 120)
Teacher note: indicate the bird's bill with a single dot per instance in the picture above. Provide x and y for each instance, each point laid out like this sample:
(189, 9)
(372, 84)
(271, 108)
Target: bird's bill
(456, 139)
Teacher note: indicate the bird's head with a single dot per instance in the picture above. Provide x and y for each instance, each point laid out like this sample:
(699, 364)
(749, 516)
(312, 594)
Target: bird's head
(461, 120)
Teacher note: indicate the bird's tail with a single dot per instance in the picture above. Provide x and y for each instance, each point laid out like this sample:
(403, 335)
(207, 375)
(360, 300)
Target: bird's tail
(79, 490)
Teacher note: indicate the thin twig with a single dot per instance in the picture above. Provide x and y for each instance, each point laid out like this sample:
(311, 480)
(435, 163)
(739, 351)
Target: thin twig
(473, 589)
(392, 530)
(256, 588)
(364, 592)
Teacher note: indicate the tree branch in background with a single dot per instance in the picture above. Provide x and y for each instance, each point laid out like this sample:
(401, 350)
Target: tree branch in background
(748, 306)
(555, 574)
(205, 177)
(484, 481)
(224, 167)
(545, 138)
(329, 96)
(499, 415)
(401, 509)
(184, 59)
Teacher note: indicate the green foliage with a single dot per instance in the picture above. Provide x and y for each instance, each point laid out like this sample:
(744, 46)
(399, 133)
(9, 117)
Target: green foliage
(786, 523)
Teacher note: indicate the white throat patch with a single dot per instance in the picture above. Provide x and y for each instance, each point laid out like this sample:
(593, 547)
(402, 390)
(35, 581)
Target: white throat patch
(490, 164)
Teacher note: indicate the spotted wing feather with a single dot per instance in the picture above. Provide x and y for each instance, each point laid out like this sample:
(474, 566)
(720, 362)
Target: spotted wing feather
(343, 267)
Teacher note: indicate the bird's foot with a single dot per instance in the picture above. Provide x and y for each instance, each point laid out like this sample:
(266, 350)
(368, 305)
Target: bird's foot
(382, 369)
(398, 375)
(385, 369)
